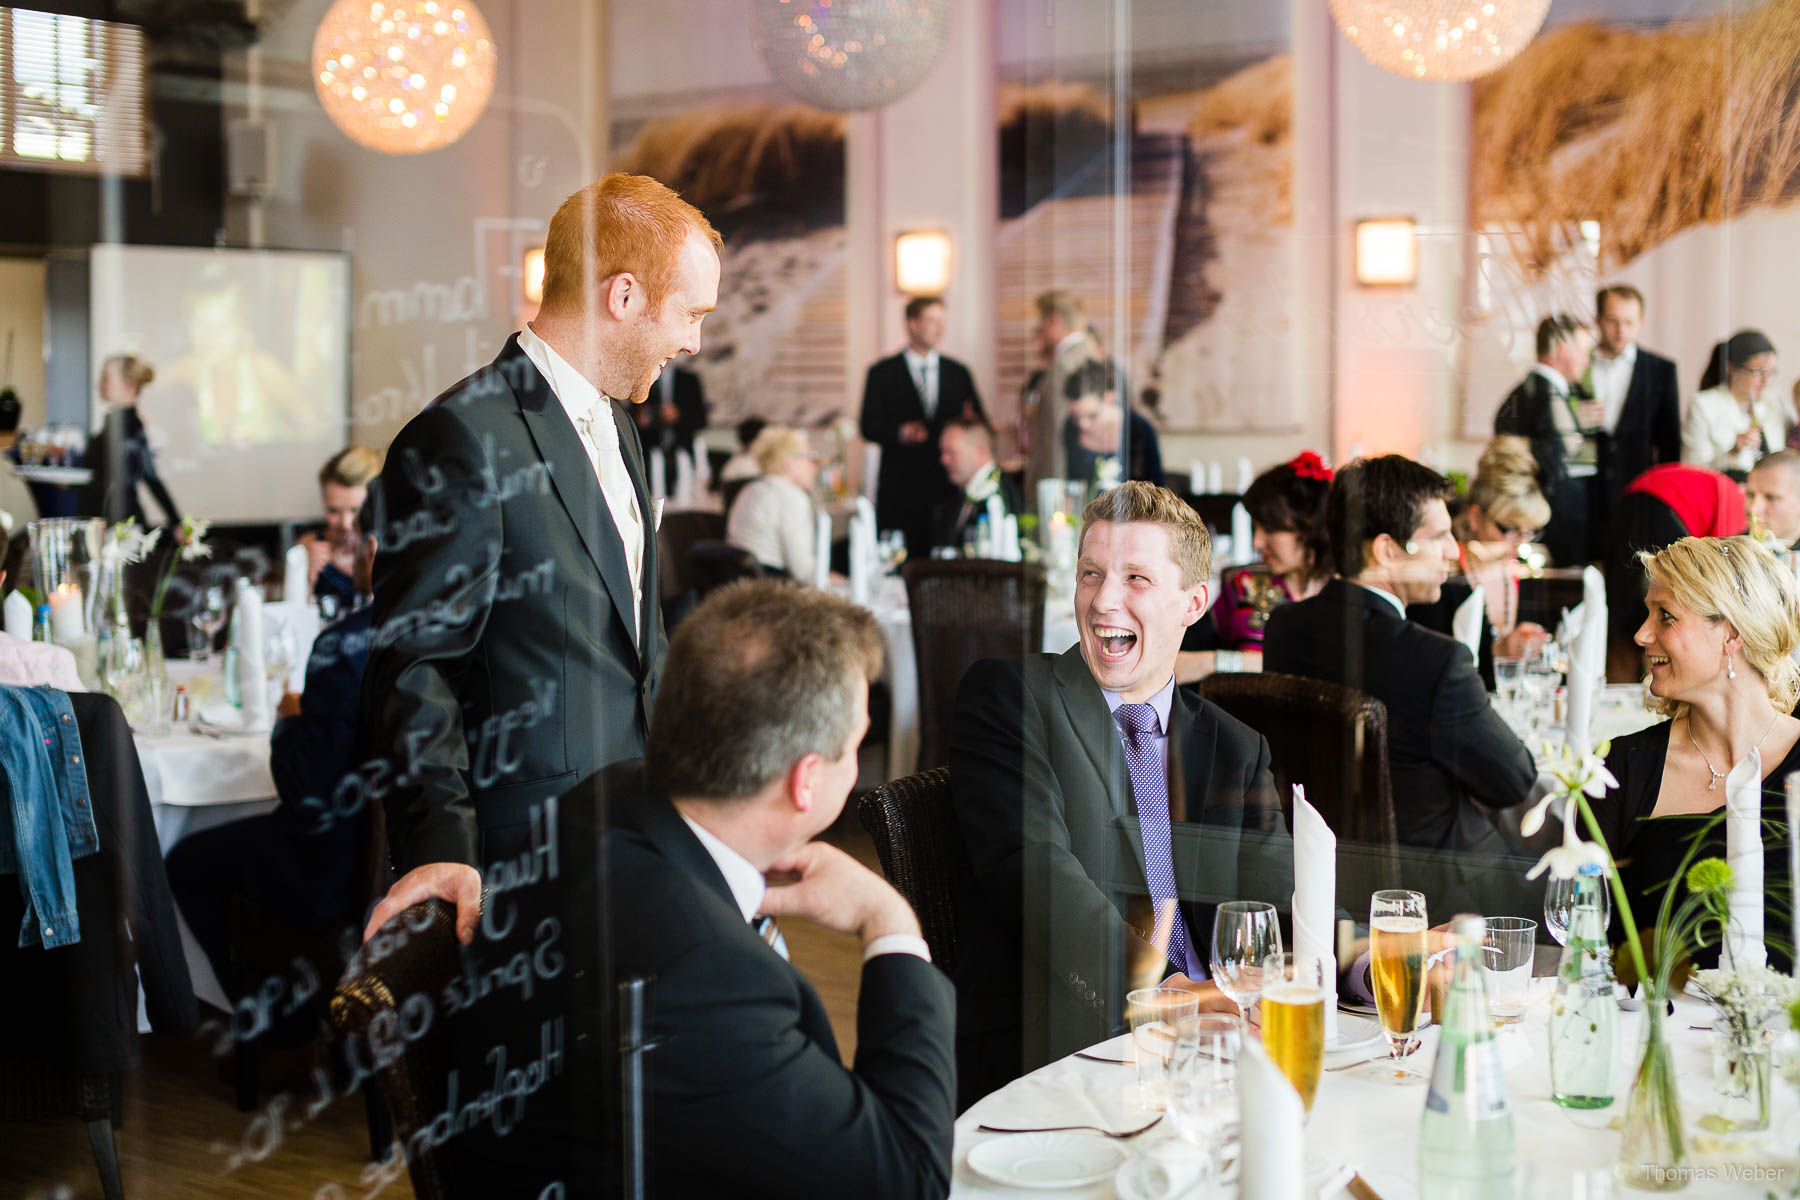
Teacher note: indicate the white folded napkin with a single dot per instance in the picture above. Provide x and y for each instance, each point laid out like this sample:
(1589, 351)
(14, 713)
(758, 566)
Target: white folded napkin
(1246, 474)
(1465, 622)
(298, 625)
(1197, 477)
(253, 685)
(1009, 540)
(293, 575)
(1744, 854)
(1315, 898)
(1271, 1129)
(1215, 477)
(1062, 1096)
(859, 559)
(1578, 713)
(822, 550)
(1593, 633)
(684, 479)
(658, 474)
(18, 616)
(1242, 532)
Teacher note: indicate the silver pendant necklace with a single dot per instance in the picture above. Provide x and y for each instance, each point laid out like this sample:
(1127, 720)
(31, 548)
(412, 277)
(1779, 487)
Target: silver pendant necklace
(1717, 775)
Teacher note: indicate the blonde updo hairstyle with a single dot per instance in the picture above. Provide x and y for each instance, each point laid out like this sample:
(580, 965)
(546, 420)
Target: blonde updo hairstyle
(775, 445)
(1736, 580)
(132, 370)
(1505, 486)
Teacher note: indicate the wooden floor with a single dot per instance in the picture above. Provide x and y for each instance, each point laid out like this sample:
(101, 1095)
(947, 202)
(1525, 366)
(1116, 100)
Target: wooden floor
(182, 1136)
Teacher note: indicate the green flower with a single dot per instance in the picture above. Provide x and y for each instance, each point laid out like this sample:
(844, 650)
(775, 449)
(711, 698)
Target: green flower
(1794, 1013)
(1709, 876)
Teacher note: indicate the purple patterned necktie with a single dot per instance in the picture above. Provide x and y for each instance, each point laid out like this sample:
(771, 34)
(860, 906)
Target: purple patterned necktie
(1150, 791)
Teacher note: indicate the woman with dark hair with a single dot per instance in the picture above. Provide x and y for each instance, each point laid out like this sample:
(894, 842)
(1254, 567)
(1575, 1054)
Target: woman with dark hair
(1287, 513)
(1735, 420)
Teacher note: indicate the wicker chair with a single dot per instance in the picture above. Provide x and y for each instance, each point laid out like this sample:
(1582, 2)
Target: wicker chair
(1329, 738)
(914, 829)
(1542, 598)
(712, 565)
(679, 532)
(418, 954)
(965, 610)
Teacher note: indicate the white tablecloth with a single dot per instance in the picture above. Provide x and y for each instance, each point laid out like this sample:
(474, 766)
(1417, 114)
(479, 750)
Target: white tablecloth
(1362, 1122)
(887, 600)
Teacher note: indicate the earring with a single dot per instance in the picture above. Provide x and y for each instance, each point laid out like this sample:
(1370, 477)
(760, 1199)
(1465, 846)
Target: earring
(1730, 670)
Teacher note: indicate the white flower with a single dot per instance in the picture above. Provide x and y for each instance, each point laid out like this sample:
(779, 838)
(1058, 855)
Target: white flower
(1566, 860)
(1581, 772)
(193, 538)
(127, 543)
(1747, 997)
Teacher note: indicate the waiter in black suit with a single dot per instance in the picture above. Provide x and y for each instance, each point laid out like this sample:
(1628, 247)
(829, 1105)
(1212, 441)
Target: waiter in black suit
(753, 751)
(907, 399)
(1637, 391)
(1452, 759)
(517, 631)
(1565, 430)
(1103, 811)
(674, 414)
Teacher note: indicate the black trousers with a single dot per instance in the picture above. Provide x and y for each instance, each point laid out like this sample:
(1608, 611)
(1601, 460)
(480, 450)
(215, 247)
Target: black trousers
(1570, 535)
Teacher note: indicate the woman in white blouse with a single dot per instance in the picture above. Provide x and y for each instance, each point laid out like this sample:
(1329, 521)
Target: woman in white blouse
(772, 517)
(1735, 419)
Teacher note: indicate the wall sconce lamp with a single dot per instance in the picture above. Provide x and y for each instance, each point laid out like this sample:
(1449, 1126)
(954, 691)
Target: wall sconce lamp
(922, 263)
(1387, 252)
(532, 275)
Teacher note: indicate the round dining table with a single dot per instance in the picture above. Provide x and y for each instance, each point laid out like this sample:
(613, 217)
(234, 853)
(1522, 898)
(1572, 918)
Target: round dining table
(1361, 1123)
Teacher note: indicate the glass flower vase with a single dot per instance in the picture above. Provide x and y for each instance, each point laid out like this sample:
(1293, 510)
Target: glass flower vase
(1653, 1146)
(1741, 1078)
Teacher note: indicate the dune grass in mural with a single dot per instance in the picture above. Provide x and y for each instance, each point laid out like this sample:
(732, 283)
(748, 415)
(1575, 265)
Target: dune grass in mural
(1658, 129)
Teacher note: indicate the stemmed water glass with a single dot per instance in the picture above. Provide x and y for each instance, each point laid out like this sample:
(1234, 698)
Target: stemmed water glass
(1397, 928)
(1559, 905)
(1245, 933)
(207, 619)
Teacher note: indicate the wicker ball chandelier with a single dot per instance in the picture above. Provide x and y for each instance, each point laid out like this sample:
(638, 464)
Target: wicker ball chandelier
(849, 55)
(404, 76)
(1439, 39)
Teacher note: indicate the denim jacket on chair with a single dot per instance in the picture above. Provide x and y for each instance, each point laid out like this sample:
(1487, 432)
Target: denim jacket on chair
(49, 821)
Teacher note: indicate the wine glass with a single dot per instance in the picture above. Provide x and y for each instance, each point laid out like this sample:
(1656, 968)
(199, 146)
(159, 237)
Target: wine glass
(1202, 1100)
(1397, 927)
(1245, 933)
(1559, 904)
(207, 619)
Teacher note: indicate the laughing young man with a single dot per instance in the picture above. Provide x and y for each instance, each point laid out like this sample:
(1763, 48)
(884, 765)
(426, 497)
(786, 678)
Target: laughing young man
(1091, 796)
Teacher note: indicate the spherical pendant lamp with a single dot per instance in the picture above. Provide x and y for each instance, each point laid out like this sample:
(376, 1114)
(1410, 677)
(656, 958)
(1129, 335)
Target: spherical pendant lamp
(1439, 39)
(403, 76)
(850, 55)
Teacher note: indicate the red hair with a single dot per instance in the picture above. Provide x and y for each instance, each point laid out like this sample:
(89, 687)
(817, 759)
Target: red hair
(616, 225)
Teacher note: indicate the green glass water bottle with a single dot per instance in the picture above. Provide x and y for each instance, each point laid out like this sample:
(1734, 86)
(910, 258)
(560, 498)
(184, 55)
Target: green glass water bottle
(1466, 1147)
(1584, 1013)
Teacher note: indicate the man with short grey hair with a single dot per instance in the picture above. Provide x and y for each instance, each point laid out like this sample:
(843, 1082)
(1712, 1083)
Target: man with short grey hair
(1773, 490)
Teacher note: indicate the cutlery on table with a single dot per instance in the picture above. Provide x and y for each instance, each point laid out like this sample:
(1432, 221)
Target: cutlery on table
(1111, 1133)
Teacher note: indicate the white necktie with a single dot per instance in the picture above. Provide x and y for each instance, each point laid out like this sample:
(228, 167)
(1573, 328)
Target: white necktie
(621, 499)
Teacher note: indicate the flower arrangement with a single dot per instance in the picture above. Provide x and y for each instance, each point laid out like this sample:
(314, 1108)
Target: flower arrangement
(1746, 998)
(191, 537)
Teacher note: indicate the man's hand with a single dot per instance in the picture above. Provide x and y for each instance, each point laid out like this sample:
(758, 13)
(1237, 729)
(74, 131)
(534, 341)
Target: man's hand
(318, 553)
(1211, 998)
(1591, 414)
(913, 432)
(1526, 639)
(289, 706)
(832, 889)
(458, 883)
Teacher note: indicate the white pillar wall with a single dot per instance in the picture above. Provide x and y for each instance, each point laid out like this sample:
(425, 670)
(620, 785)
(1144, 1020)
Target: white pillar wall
(929, 161)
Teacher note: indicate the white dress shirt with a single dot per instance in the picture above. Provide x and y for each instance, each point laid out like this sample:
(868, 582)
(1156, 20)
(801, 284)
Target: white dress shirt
(747, 888)
(1161, 703)
(1399, 605)
(924, 368)
(591, 414)
(773, 519)
(1611, 378)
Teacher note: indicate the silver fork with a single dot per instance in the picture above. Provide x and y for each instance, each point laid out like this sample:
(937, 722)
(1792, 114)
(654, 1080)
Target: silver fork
(1111, 1133)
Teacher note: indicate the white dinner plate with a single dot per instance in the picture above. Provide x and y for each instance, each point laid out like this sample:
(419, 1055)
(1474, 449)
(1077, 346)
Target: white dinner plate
(1354, 1033)
(1046, 1160)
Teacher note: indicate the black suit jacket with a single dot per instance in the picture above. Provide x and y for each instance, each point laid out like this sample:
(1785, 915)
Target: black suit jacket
(957, 514)
(1448, 750)
(654, 428)
(1577, 511)
(1649, 428)
(746, 1093)
(505, 667)
(912, 482)
(1050, 910)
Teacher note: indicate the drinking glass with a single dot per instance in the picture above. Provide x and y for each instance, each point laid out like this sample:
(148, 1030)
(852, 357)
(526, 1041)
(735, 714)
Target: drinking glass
(1559, 906)
(1154, 1014)
(1397, 927)
(1506, 966)
(1293, 1019)
(207, 619)
(1202, 1086)
(1508, 672)
(1245, 933)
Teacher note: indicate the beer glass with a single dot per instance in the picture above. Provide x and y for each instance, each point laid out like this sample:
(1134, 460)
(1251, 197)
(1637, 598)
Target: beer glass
(1293, 1018)
(1397, 927)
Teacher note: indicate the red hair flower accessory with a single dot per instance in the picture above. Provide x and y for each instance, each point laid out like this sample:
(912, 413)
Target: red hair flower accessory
(1308, 465)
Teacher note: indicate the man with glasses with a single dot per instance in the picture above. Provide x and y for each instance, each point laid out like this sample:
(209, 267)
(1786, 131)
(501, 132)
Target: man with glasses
(1565, 429)
(1452, 759)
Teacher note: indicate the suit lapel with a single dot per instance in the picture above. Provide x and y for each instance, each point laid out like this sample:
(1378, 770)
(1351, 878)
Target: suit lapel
(1192, 744)
(572, 479)
(633, 453)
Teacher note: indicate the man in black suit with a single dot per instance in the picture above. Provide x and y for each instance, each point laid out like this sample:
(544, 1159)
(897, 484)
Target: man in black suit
(908, 398)
(1565, 431)
(518, 634)
(674, 414)
(966, 448)
(1638, 393)
(1102, 810)
(753, 751)
(1451, 757)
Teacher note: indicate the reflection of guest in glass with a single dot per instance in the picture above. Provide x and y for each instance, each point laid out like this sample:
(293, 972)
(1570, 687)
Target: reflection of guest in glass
(1723, 623)
(120, 454)
(1287, 512)
(1735, 420)
(331, 553)
(1096, 426)
(772, 517)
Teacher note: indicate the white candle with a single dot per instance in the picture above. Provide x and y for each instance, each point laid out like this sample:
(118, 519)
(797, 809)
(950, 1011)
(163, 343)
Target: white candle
(66, 622)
